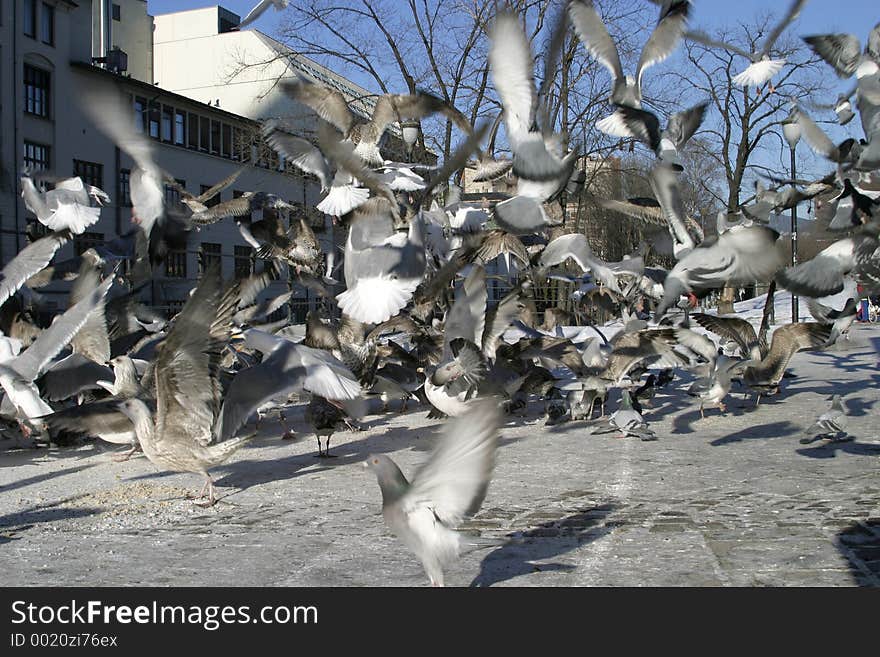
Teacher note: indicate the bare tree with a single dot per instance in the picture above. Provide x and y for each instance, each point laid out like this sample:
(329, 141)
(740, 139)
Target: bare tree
(744, 125)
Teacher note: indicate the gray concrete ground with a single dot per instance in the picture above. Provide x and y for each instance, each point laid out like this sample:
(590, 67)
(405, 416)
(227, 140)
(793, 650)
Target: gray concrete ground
(732, 500)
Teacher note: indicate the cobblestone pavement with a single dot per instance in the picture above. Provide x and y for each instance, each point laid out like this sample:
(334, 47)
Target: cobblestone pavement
(732, 500)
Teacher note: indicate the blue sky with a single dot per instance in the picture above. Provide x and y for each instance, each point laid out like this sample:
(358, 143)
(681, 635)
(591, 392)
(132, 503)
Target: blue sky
(855, 16)
(818, 16)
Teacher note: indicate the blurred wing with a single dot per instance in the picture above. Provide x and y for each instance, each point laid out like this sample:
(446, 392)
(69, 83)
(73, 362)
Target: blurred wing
(31, 260)
(455, 479)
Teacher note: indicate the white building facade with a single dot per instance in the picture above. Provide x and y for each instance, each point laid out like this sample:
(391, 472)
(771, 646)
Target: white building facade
(52, 50)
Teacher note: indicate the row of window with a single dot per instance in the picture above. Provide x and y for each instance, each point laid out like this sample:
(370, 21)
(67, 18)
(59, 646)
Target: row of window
(210, 253)
(39, 17)
(196, 132)
(176, 126)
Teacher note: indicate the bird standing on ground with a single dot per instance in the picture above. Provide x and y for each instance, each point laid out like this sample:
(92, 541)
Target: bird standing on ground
(830, 425)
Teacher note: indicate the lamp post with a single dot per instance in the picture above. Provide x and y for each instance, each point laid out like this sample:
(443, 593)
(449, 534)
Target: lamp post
(792, 133)
(410, 131)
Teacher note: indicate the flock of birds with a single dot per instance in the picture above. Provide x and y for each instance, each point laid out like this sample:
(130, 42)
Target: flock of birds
(181, 390)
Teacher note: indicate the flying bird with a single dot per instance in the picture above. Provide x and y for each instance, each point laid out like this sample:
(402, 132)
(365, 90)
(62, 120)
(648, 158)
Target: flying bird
(448, 488)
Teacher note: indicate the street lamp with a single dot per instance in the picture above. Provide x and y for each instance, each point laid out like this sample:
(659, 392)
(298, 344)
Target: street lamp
(791, 130)
(410, 131)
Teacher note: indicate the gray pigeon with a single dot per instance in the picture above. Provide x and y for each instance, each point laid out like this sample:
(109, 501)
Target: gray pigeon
(831, 424)
(627, 421)
(447, 489)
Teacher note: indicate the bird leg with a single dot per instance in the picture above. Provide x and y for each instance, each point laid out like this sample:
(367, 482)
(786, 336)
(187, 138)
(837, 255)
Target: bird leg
(207, 491)
(722, 407)
(403, 405)
(320, 453)
(384, 405)
(25, 429)
(119, 458)
(289, 434)
(758, 400)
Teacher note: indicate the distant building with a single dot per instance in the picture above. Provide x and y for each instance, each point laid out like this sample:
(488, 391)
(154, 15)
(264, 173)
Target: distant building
(51, 51)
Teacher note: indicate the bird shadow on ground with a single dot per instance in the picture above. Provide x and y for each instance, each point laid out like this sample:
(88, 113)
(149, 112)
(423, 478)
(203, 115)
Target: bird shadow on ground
(764, 431)
(52, 512)
(849, 361)
(549, 539)
(28, 481)
(247, 473)
(860, 544)
(829, 449)
(858, 407)
(684, 422)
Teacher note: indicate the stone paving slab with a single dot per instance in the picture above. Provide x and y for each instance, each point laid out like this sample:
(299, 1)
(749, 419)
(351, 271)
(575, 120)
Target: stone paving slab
(726, 501)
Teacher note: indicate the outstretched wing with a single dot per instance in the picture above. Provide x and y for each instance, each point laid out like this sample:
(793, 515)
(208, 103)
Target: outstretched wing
(454, 481)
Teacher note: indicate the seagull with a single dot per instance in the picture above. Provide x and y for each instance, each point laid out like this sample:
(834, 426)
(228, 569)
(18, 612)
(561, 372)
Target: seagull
(111, 114)
(666, 144)
(762, 67)
(627, 90)
(741, 255)
(448, 488)
(382, 267)
(843, 52)
(197, 203)
(737, 329)
(261, 8)
(824, 275)
(765, 376)
(179, 435)
(331, 106)
(713, 388)
(830, 425)
(535, 155)
(67, 206)
(286, 368)
(104, 419)
(576, 247)
(31, 260)
(17, 374)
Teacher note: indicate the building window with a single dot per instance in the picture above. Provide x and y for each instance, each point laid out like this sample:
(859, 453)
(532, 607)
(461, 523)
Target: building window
(30, 18)
(36, 156)
(214, 200)
(179, 127)
(36, 91)
(236, 148)
(140, 114)
(244, 261)
(193, 141)
(47, 25)
(209, 256)
(215, 137)
(90, 172)
(116, 12)
(204, 133)
(175, 263)
(167, 122)
(125, 188)
(226, 150)
(174, 307)
(154, 119)
(87, 240)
